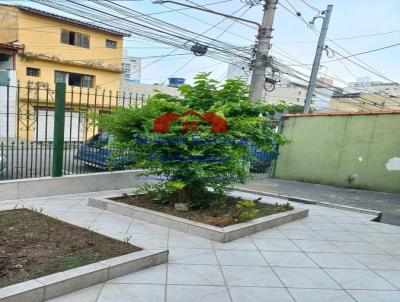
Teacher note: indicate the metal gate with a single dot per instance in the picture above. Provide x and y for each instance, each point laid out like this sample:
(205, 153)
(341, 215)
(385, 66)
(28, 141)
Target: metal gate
(27, 120)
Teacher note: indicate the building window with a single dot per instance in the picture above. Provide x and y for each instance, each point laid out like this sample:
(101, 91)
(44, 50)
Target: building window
(33, 72)
(74, 79)
(111, 44)
(126, 70)
(74, 38)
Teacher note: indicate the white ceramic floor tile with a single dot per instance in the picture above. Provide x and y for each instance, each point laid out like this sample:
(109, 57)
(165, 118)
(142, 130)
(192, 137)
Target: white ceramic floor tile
(280, 245)
(375, 296)
(319, 295)
(132, 292)
(288, 259)
(258, 294)
(152, 275)
(339, 236)
(359, 248)
(305, 278)
(296, 225)
(241, 244)
(235, 257)
(187, 274)
(150, 241)
(379, 237)
(392, 276)
(359, 279)
(271, 234)
(250, 276)
(358, 227)
(317, 246)
(378, 261)
(296, 234)
(184, 240)
(333, 227)
(386, 228)
(335, 260)
(182, 293)
(192, 256)
(142, 227)
(389, 248)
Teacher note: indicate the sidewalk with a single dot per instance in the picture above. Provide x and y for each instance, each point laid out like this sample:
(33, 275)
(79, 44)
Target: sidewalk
(387, 203)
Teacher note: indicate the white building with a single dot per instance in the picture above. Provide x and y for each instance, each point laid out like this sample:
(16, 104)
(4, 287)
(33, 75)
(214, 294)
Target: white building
(238, 70)
(366, 85)
(139, 93)
(131, 68)
(290, 93)
(322, 95)
(295, 94)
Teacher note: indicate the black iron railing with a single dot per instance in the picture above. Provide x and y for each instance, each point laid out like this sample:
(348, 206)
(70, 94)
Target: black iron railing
(27, 120)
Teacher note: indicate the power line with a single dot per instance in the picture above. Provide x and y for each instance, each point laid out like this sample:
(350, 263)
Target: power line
(189, 71)
(365, 52)
(204, 22)
(310, 6)
(370, 69)
(365, 68)
(294, 73)
(151, 33)
(214, 26)
(335, 78)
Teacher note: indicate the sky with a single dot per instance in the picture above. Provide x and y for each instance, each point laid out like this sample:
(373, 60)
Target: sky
(293, 42)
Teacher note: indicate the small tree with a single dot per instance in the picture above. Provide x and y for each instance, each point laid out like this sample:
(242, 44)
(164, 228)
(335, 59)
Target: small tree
(195, 160)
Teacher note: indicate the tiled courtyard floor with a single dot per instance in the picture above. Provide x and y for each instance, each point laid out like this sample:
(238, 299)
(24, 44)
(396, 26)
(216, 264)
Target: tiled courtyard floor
(332, 255)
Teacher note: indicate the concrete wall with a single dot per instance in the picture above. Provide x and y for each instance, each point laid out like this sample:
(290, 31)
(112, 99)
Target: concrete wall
(9, 24)
(352, 150)
(71, 184)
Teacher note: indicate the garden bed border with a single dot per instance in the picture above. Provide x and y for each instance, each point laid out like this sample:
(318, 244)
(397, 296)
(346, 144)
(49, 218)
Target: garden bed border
(61, 283)
(219, 234)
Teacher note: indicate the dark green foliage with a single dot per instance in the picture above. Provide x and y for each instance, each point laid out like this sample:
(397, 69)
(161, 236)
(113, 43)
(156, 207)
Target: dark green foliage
(295, 109)
(189, 180)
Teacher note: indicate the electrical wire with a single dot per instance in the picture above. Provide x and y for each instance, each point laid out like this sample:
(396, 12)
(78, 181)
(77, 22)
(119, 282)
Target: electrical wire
(152, 33)
(343, 57)
(364, 52)
(310, 6)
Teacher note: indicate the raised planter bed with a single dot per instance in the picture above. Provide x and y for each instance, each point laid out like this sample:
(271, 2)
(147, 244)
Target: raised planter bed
(39, 250)
(221, 234)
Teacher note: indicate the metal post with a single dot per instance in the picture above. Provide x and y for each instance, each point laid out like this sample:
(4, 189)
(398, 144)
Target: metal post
(263, 46)
(317, 59)
(59, 117)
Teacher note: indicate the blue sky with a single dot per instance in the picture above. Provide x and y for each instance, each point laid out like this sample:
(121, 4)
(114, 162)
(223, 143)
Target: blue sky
(291, 37)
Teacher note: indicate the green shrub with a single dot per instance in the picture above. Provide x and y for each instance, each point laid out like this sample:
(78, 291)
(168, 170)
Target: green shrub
(246, 210)
(189, 181)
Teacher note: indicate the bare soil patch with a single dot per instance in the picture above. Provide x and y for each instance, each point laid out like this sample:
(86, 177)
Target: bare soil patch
(33, 245)
(220, 215)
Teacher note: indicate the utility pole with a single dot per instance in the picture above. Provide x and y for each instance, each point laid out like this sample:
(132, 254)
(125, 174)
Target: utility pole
(317, 58)
(263, 46)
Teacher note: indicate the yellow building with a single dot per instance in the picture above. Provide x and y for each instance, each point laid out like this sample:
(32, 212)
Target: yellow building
(53, 49)
(364, 102)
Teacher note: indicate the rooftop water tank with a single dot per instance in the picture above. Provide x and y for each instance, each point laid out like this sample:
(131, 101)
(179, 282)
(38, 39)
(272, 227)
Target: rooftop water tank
(176, 82)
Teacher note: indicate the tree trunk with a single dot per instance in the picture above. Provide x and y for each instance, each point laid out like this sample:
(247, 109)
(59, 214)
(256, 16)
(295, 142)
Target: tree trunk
(184, 195)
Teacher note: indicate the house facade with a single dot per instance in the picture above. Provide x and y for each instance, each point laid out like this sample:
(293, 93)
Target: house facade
(52, 49)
